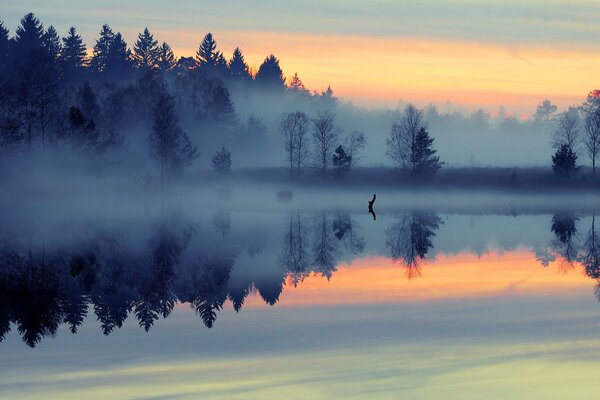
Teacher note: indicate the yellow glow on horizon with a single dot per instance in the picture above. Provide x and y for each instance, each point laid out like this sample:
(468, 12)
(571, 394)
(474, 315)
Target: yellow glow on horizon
(367, 69)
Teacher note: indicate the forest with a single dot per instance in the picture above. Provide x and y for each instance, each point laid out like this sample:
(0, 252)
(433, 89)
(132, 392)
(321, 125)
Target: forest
(141, 113)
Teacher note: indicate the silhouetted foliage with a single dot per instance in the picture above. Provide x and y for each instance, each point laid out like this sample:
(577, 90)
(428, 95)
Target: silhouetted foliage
(270, 75)
(221, 161)
(564, 161)
(410, 240)
(238, 69)
(146, 51)
(341, 160)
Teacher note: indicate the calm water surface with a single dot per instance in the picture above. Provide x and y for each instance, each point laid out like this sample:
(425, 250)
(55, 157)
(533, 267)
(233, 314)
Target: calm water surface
(168, 302)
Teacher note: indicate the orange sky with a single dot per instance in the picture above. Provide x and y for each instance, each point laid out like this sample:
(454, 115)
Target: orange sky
(378, 70)
(372, 280)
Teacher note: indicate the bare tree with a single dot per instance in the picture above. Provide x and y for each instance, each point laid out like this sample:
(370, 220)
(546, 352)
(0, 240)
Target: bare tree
(294, 127)
(591, 136)
(404, 134)
(567, 129)
(325, 138)
(355, 142)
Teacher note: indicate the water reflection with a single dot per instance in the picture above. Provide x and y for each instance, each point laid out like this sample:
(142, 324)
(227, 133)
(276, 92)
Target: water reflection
(117, 273)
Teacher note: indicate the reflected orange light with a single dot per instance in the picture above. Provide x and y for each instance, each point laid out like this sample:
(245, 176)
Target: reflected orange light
(379, 279)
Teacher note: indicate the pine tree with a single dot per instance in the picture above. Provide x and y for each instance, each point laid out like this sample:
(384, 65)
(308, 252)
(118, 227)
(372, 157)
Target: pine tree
(146, 51)
(170, 145)
(211, 62)
(102, 49)
(238, 69)
(28, 37)
(270, 75)
(221, 161)
(73, 55)
(296, 86)
(341, 160)
(423, 158)
(166, 59)
(4, 48)
(119, 58)
(52, 44)
(564, 161)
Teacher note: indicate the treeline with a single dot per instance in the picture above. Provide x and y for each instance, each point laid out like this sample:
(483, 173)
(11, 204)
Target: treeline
(53, 93)
(121, 103)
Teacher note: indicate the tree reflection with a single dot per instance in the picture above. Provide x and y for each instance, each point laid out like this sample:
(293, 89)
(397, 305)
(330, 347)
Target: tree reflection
(294, 257)
(564, 229)
(325, 249)
(410, 240)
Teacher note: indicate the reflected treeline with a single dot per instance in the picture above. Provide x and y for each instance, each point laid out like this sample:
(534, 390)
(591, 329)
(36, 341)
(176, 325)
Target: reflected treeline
(119, 274)
(44, 288)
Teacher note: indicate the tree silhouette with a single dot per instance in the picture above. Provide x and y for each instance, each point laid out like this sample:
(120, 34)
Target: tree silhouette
(221, 161)
(591, 253)
(325, 249)
(591, 137)
(294, 257)
(270, 75)
(211, 62)
(52, 43)
(238, 69)
(4, 52)
(102, 49)
(564, 229)
(146, 51)
(422, 158)
(564, 161)
(73, 55)
(294, 128)
(341, 160)
(297, 87)
(166, 59)
(325, 137)
(171, 146)
(410, 240)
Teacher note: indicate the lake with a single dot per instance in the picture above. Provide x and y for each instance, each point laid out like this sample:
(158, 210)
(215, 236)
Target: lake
(242, 299)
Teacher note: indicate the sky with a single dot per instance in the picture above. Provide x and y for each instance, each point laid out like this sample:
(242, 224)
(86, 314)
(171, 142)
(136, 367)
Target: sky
(487, 53)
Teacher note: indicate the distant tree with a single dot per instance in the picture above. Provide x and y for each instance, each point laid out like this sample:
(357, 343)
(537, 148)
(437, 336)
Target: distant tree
(294, 127)
(52, 43)
(216, 106)
(591, 136)
(564, 161)
(119, 62)
(355, 142)
(211, 62)
(480, 120)
(73, 55)
(327, 98)
(325, 137)
(102, 49)
(146, 51)
(296, 86)
(270, 75)
(544, 111)
(238, 69)
(185, 65)
(170, 145)
(567, 129)
(402, 142)
(29, 37)
(423, 159)
(88, 101)
(4, 51)
(341, 161)
(221, 161)
(166, 59)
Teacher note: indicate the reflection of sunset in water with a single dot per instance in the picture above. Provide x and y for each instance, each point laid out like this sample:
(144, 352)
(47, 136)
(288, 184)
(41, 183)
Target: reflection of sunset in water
(464, 275)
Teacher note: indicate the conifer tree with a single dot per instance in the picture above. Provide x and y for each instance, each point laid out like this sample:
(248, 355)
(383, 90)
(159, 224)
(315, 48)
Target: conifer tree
(146, 51)
(73, 52)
